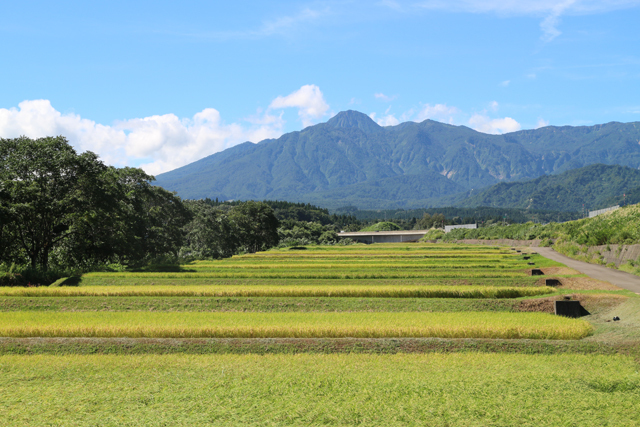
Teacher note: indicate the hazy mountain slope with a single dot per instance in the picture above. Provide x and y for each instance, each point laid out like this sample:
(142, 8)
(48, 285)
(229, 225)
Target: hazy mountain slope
(402, 191)
(353, 154)
(596, 186)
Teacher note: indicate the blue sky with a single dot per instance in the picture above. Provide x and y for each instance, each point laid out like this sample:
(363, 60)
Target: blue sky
(161, 84)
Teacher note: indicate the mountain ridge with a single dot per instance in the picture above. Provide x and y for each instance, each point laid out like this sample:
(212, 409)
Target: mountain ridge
(351, 151)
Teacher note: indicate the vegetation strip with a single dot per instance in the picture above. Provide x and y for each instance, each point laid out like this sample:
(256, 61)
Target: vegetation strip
(380, 291)
(264, 304)
(463, 281)
(345, 274)
(319, 389)
(124, 346)
(291, 325)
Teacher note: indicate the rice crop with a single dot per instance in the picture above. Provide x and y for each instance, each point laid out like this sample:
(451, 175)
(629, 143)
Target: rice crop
(503, 325)
(371, 273)
(366, 291)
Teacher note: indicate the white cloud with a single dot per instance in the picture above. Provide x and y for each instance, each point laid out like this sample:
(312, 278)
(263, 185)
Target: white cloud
(384, 97)
(390, 4)
(505, 83)
(549, 24)
(494, 106)
(280, 26)
(549, 10)
(309, 101)
(440, 112)
(156, 143)
(483, 123)
(388, 120)
(285, 23)
(542, 123)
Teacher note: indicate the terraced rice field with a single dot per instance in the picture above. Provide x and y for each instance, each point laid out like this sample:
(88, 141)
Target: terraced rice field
(291, 325)
(401, 271)
(377, 298)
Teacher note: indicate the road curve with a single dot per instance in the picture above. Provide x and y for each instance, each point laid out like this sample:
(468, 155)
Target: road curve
(600, 272)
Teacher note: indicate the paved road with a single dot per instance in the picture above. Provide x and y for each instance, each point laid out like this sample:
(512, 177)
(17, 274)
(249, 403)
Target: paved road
(600, 272)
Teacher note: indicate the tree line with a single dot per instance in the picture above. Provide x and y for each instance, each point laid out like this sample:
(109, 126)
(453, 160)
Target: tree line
(61, 209)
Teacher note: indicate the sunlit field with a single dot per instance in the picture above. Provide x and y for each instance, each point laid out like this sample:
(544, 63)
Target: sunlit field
(295, 308)
(291, 325)
(370, 291)
(470, 389)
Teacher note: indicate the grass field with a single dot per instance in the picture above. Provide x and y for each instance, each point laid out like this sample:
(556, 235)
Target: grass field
(382, 390)
(307, 337)
(292, 325)
(371, 291)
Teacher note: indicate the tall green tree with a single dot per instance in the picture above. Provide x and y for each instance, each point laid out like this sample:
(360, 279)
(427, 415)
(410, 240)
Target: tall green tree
(210, 234)
(48, 193)
(257, 226)
(145, 222)
(57, 203)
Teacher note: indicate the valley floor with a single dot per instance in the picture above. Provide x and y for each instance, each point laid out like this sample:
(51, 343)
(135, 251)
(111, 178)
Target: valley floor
(71, 377)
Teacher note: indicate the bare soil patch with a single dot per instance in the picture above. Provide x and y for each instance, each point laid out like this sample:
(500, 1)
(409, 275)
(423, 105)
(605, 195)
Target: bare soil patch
(561, 271)
(593, 303)
(586, 283)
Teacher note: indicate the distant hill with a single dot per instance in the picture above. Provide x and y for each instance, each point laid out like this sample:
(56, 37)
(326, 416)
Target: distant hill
(595, 186)
(351, 160)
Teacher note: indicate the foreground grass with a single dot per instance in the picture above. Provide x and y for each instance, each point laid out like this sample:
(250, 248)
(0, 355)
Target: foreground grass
(417, 390)
(292, 325)
(374, 291)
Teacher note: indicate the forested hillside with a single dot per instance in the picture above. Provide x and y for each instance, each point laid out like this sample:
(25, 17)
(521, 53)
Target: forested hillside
(351, 160)
(592, 187)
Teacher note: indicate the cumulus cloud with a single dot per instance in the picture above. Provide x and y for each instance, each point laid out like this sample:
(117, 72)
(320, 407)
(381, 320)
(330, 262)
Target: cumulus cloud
(384, 97)
(156, 143)
(542, 123)
(388, 120)
(485, 124)
(439, 112)
(308, 100)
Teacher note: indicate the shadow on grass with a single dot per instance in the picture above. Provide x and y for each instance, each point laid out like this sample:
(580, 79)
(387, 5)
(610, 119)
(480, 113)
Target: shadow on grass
(68, 281)
(174, 268)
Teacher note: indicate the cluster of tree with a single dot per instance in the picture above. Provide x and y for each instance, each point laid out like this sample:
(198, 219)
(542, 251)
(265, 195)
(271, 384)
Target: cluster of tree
(68, 210)
(302, 223)
(301, 212)
(481, 214)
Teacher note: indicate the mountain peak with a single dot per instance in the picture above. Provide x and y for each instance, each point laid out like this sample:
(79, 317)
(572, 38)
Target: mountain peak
(353, 119)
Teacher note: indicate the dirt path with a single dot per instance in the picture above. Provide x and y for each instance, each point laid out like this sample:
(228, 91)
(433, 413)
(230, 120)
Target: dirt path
(600, 272)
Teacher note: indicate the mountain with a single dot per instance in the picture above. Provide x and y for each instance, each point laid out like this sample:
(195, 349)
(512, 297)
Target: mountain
(351, 160)
(595, 186)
